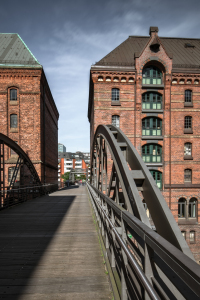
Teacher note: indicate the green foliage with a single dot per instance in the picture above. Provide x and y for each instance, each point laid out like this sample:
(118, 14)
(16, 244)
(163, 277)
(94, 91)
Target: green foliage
(65, 176)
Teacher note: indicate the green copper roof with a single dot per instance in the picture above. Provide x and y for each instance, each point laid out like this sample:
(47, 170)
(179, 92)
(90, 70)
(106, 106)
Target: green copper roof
(14, 52)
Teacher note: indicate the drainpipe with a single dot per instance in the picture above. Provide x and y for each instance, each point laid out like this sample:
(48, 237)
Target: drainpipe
(135, 109)
(44, 145)
(170, 155)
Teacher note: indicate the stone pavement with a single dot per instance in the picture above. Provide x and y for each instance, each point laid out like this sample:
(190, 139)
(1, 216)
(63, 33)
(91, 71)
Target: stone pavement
(49, 249)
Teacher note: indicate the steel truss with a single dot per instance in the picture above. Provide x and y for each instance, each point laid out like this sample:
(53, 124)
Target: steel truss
(146, 255)
(129, 183)
(23, 160)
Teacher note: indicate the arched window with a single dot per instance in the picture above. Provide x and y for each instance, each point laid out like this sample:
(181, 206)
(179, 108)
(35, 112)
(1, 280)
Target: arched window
(184, 234)
(187, 149)
(192, 208)
(10, 173)
(115, 120)
(152, 153)
(151, 75)
(188, 96)
(187, 175)
(182, 208)
(188, 122)
(192, 236)
(100, 78)
(13, 94)
(151, 100)
(13, 121)
(157, 176)
(115, 94)
(152, 126)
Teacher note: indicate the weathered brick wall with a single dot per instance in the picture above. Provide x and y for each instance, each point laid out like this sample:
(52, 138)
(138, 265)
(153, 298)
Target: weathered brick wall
(27, 107)
(49, 137)
(103, 108)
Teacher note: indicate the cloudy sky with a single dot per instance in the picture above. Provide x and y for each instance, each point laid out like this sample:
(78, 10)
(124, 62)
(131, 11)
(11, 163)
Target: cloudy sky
(67, 37)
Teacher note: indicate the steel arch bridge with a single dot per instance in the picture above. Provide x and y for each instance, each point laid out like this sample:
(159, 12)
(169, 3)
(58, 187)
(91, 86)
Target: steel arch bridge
(22, 161)
(146, 255)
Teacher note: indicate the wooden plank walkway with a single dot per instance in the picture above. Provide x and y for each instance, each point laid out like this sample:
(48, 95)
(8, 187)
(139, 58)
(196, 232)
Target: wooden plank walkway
(49, 249)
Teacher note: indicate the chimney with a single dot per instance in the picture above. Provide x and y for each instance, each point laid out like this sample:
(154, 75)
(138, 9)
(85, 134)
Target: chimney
(153, 29)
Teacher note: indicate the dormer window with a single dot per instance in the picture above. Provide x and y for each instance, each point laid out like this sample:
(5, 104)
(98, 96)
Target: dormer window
(188, 45)
(151, 75)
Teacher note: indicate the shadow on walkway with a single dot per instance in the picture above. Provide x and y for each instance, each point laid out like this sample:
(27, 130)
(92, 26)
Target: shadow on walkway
(26, 230)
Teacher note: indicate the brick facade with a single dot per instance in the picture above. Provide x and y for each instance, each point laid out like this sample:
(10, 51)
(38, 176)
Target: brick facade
(32, 116)
(175, 80)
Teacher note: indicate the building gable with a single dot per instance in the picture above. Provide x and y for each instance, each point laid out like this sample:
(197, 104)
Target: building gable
(14, 52)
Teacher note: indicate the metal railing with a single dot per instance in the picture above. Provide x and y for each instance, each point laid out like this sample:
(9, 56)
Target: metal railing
(143, 264)
(19, 195)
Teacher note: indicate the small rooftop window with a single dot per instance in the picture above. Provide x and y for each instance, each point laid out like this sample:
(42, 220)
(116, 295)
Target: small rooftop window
(182, 81)
(131, 79)
(100, 78)
(188, 45)
(174, 81)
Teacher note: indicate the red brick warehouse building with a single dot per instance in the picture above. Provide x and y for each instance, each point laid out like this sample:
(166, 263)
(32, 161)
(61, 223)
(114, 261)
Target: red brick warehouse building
(149, 86)
(28, 112)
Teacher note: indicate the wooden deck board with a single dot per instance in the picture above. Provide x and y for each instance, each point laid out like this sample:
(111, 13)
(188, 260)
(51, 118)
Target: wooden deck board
(49, 249)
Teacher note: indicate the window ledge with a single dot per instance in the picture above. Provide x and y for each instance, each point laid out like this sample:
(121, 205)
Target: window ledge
(152, 111)
(115, 103)
(152, 137)
(182, 186)
(154, 164)
(188, 130)
(190, 104)
(153, 86)
(185, 221)
(14, 102)
(188, 157)
(13, 129)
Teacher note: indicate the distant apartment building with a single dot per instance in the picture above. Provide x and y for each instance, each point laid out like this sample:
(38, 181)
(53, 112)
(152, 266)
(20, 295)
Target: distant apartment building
(61, 148)
(80, 162)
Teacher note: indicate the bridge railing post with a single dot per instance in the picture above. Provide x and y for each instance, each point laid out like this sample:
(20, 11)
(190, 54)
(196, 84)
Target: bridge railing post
(124, 263)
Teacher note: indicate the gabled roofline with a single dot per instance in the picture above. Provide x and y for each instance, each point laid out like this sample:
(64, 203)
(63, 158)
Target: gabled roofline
(15, 66)
(115, 67)
(165, 37)
(12, 63)
(28, 48)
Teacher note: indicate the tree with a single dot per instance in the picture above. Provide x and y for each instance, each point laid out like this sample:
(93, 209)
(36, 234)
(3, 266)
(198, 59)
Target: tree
(65, 176)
